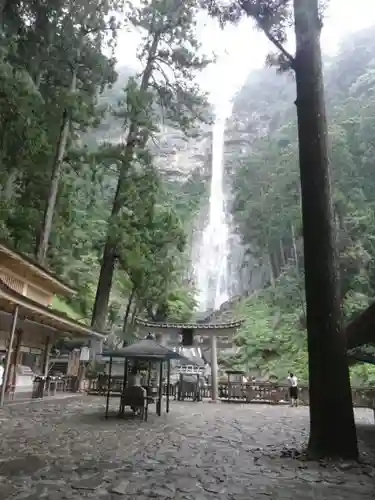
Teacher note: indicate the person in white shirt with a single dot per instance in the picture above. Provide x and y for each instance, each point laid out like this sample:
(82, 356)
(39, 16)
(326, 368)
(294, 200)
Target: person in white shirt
(293, 389)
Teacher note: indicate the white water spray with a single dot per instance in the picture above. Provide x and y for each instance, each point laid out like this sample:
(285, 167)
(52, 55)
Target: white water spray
(211, 267)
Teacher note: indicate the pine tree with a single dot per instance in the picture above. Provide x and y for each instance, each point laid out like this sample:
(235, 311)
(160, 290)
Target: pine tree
(164, 92)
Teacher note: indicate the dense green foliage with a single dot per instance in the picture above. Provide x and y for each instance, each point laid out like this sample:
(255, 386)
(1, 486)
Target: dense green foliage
(58, 175)
(267, 202)
(77, 138)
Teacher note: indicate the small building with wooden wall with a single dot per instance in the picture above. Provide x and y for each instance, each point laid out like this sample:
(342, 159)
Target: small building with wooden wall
(28, 324)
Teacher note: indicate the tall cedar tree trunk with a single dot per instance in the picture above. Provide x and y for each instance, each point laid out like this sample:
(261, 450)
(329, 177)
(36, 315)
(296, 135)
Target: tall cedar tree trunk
(282, 255)
(103, 291)
(127, 312)
(332, 427)
(295, 253)
(45, 233)
(271, 271)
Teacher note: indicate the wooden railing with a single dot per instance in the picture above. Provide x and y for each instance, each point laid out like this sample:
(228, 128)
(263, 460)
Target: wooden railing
(278, 394)
(241, 393)
(51, 386)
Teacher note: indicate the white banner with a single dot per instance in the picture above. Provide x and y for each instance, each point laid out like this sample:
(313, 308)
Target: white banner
(85, 354)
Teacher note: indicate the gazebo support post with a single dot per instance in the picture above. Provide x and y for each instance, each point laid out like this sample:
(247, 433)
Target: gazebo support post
(9, 355)
(125, 379)
(160, 387)
(108, 387)
(168, 382)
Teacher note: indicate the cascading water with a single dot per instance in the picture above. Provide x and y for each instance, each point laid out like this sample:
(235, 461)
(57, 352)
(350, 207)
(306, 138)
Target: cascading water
(212, 261)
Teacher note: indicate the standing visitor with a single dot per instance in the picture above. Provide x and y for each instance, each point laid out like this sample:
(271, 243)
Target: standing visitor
(293, 389)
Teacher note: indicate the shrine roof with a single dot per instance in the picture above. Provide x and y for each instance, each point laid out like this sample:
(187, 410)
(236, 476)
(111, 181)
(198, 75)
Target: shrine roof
(34, 312)
(25, 266)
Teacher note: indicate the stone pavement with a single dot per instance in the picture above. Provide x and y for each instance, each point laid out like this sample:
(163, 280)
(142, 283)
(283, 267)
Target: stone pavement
(66, 450)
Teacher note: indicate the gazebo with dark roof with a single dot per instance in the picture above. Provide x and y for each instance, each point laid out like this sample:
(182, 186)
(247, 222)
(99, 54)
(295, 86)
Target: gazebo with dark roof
(144, 350)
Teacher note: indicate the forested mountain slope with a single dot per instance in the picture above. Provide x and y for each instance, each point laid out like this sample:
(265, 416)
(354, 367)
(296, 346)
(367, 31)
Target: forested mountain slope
(75, 180)
(263, 168)
(183, 161)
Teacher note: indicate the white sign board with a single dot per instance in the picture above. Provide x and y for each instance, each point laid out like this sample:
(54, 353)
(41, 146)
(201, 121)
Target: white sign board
(85, 354)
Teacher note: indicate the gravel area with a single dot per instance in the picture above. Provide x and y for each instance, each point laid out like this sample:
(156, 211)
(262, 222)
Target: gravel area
(65, 449)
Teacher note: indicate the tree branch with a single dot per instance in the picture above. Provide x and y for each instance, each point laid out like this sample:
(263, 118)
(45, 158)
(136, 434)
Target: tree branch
(278, 45)
(255, 10)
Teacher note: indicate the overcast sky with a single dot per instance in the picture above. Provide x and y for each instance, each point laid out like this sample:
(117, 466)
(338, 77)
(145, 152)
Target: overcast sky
(242, 48)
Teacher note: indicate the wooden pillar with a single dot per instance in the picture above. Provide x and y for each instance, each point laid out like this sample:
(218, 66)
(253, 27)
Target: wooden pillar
(15, 361)
(180, 383)
(214, 382)
(46, 355)
(81, 376)
(160, 387)
(168, 383)
(8, 355)
(124, 383)
(108, 387)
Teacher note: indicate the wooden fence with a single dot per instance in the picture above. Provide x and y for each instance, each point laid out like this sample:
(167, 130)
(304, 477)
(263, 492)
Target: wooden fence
(240, 393)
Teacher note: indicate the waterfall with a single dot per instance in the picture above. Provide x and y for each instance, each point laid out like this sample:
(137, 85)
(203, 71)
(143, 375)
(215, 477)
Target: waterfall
(212, 257)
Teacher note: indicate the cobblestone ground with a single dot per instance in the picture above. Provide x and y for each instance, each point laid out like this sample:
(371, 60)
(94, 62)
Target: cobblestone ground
(66, 450)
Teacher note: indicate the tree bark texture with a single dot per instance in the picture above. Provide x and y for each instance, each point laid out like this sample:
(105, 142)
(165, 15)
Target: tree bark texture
(45, 234)
(127, 311)
(332, 427)
(103, 291)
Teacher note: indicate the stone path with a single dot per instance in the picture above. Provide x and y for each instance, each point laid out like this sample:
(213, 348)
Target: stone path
(200, 451)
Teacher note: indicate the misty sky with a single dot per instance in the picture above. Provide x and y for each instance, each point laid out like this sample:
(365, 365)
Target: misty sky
(241, 48)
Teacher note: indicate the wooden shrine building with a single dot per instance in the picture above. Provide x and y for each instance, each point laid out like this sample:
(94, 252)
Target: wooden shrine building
(28, 324)
(193, 335)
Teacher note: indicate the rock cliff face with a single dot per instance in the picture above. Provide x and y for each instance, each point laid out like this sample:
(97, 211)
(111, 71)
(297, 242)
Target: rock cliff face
(258, 110)
(177, 155)
(185, 163)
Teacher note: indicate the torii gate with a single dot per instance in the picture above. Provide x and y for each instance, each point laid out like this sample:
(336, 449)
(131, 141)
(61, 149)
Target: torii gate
(193, 335)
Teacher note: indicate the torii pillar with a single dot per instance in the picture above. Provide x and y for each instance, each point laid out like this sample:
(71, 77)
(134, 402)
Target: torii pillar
(214, 384)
